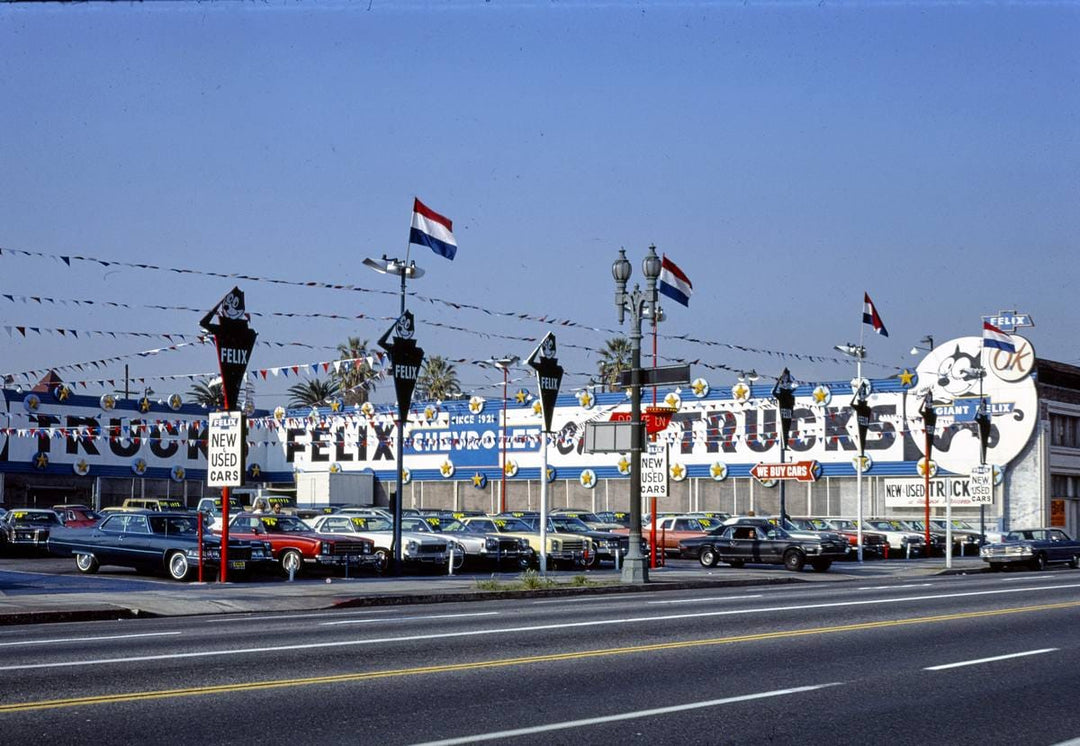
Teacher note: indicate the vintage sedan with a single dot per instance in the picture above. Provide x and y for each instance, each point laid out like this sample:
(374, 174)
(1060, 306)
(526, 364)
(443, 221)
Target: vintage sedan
(77, 515)
(607, 545)
(417, 549)
(27, 529)
(758, 544)
(154, 542)
(296, 546)
(1032, 547)
(562, 549)
(479, 548)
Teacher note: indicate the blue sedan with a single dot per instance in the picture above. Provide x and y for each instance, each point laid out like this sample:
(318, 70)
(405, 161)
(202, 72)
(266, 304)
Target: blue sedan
(153, 542)
(1032, 547)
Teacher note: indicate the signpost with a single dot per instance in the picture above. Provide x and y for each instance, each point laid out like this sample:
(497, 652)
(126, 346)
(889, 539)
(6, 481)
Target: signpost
(549, 376)
(668, 375)
(234, 341)
(654, 471)
(800, 471)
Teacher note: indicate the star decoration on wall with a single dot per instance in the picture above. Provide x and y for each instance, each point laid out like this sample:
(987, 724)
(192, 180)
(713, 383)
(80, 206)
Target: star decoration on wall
(447, 469)
(521, 396)
(476, 404)
(822, 394)
(178, 473)
(62, 393)
(41, 460)
(588, 478)
(740, 392)
(139, 466)
(551, 474)
(479, 480)
(335, 405)
(700, 387)
(862, 463)
(678, 472)
(908, 378)
(406, 476)
(921, 467)
(82, 468)
(144, 405)
(335, 468)
(718, 471)
(585, 399)
(538, 408)
(108, 402)
(510, 468)
(673, 400)
(254, 470)
(175, 402)
(624, 465)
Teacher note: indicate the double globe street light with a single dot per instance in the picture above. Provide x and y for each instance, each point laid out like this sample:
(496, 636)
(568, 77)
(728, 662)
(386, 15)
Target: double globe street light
(640, 305)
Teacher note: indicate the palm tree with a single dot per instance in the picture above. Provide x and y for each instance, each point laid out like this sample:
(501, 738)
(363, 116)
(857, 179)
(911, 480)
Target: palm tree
(438, 380)
(209, 395)
(312, 393)
(614, 359)
(356, 379)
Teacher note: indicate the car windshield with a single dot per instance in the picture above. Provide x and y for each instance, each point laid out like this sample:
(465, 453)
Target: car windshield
(283, 524)
(372, 523)
(416, 525)
(25, 517)
(843, 525)
(570, 526)
(457, 527)
(504, 525)
(1028, 535)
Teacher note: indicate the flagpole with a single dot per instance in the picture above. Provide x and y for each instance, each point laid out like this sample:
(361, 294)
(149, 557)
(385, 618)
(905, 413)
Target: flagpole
(859, 458)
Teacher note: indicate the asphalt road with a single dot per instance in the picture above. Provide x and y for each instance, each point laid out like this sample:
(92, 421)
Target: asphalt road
(981, 658)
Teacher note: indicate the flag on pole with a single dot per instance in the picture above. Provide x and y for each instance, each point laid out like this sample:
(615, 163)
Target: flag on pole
(870, 316)
(673, 283)
(433, 230)
(994, 337)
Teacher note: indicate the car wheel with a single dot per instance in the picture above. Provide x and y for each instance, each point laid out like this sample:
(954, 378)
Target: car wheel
(382, 560)
(292, 563)
(86, 563)
(736, 563)
(458, 559)
(1074, 563)
(1038, 562)
(821, 565)
(178, 566)
(794, 560)
(708, 557)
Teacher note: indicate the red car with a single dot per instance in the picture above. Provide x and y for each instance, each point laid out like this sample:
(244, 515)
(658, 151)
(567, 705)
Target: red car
(295, 546)
(77, 516)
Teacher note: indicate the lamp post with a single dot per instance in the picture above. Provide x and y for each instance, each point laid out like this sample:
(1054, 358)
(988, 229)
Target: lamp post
(982, 422)
(858, 352)
(784, 393)
(503, 364)
(403, 269)
(929, 417)
(639, 305)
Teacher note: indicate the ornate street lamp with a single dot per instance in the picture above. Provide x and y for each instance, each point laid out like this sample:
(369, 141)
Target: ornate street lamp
(784, 393)
(640, 305)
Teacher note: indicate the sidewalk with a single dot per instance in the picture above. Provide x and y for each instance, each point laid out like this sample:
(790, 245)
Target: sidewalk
(143, 597)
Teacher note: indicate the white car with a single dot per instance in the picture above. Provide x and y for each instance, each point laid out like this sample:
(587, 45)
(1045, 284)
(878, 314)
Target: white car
(474, 544)
(416, 549)
(902, 540)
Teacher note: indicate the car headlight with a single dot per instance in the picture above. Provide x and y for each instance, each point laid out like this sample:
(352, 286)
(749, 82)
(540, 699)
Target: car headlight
(491, 543)
(555, 545)
(986, 552)
(323, 547)
(411, 547)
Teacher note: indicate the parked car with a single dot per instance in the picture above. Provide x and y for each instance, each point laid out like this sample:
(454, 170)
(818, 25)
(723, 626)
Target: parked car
(155, 542)
(606, 545)
(76, 516)
(738, 545)
(964, 542)
(621, 517)
(211, 507)
(799, 528)
(874, 542)
(670, 530)
(296, 546)
(903, 541)
(417, 549)
(562, 549)
(27, 529)
(154, 503)
(474, 547)
(1033, 547)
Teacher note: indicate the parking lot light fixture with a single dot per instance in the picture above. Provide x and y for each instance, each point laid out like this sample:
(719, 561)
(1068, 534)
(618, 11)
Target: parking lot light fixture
(503, 364)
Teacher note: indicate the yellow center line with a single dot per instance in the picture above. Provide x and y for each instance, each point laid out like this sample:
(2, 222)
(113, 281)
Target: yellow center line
(505, 662)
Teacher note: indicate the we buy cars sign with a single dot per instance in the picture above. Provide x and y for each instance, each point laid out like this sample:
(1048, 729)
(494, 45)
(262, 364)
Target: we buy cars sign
(800, 471)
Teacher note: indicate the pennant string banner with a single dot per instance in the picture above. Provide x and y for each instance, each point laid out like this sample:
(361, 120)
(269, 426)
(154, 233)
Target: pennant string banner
(67, 260)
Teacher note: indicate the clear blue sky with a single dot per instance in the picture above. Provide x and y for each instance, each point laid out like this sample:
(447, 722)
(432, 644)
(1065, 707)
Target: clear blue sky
(788, 156)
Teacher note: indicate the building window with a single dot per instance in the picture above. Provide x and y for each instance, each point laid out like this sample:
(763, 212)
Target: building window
(1062, 485)
(1063, 430)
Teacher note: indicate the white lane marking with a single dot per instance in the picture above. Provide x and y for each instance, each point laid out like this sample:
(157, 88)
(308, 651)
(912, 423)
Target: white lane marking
(977, 661)
(87, 639)
(409, 618)
(272, 617)
(567, 724)
(581, 600)
(892, 587)
(705, 599)
(518, 630)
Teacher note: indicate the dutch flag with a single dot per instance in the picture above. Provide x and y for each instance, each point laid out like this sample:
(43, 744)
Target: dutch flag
(870, 316)
(994, 337)
(673, 283)
(433, 230)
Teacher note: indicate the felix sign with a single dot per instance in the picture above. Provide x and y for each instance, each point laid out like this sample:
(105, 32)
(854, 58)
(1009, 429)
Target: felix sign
(406, 360)
(548, 376)
(234, 340)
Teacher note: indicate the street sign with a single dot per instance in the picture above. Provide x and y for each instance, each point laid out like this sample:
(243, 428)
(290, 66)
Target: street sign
(654, 471)
(224, 452)
(800, 471)
(982, 484)
(607, 437)
(668, 375)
